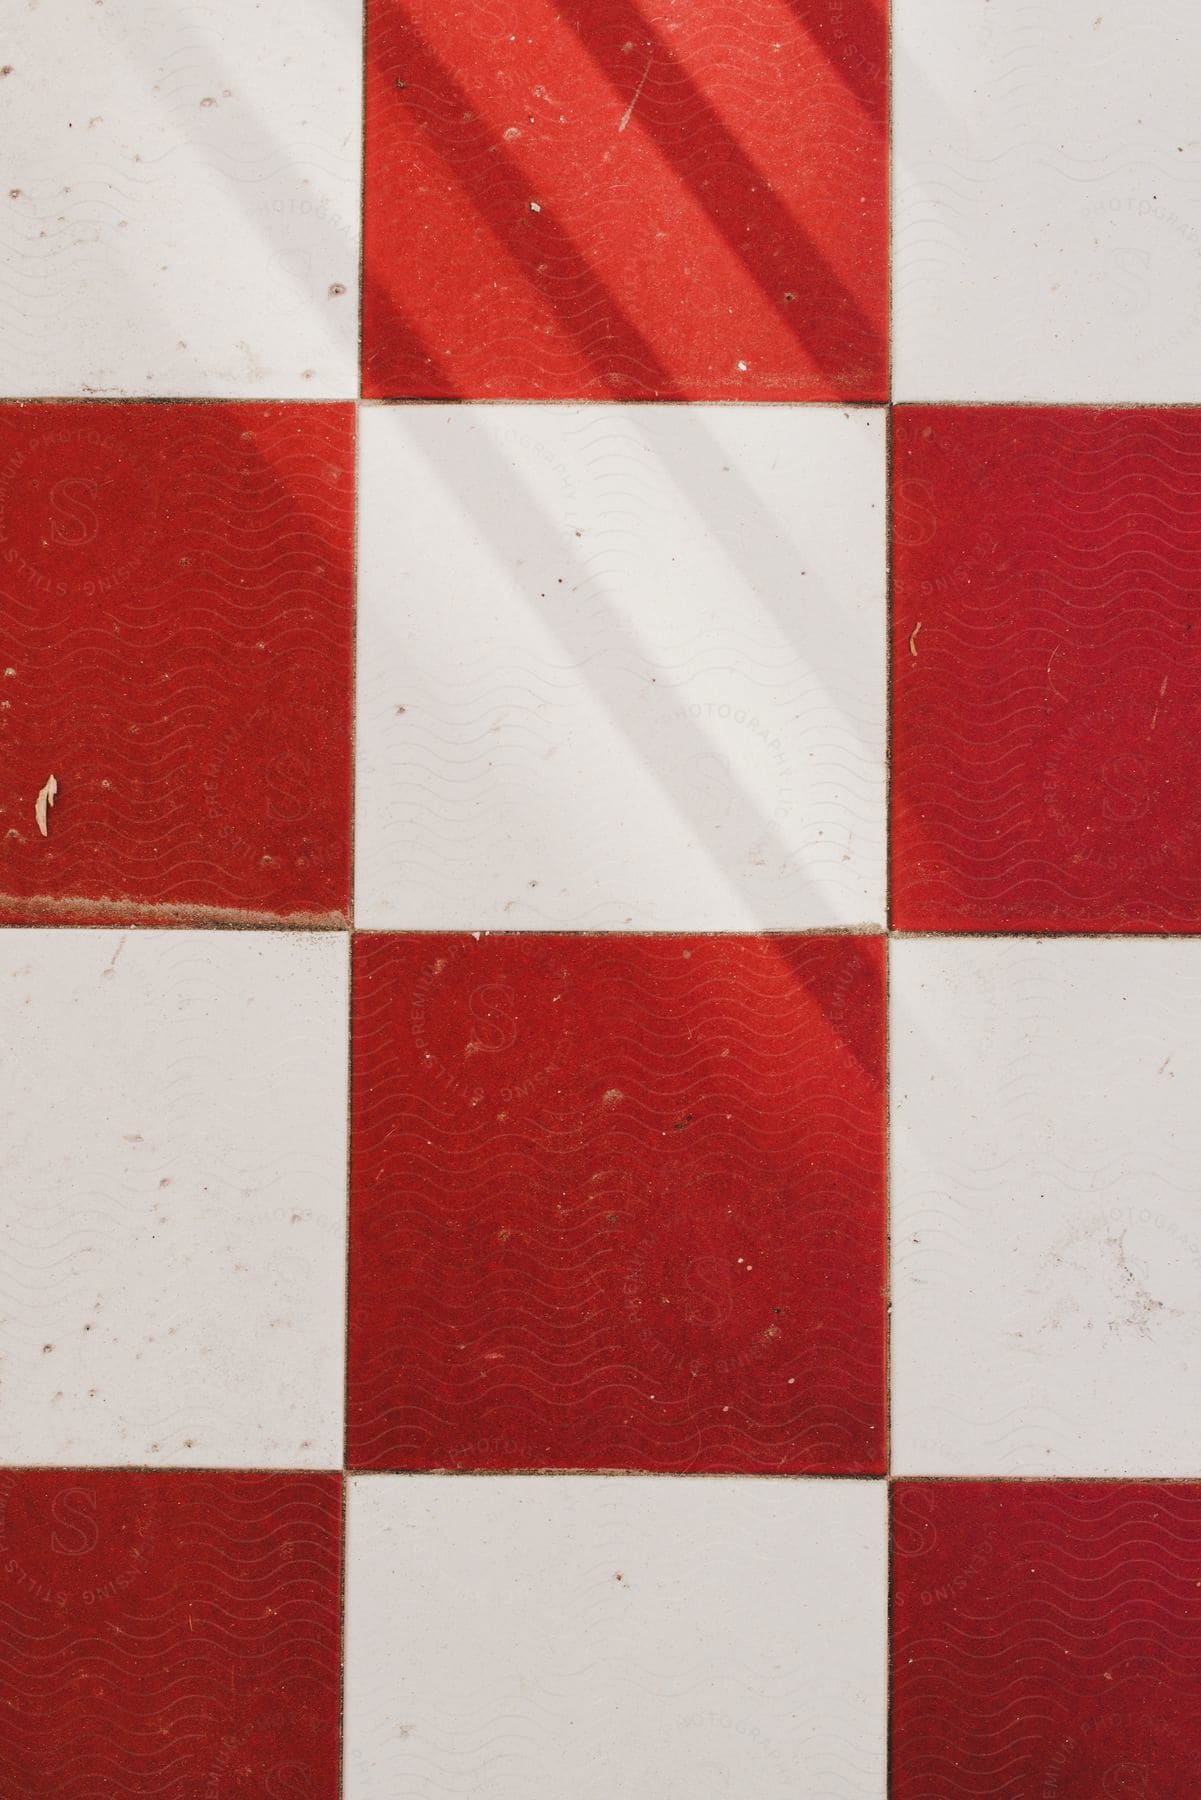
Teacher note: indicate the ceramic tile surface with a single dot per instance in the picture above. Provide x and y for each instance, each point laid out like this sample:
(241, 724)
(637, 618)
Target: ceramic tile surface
(173, 1198)
(1047, 230)
(1046, 715)
(600, 894)
(619, 201)
(1045, 1639)
(618, 1203)
(181, 205)
(176, 641)
(170, 1634)
(1046, 1145)
(621, 669)
(710, 1637)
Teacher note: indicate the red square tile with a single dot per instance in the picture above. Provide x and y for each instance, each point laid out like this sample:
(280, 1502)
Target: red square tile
(169, 1635)
(1046, 747)
(621, 200)
(176, 647)
(617, 1203)
(1046, 1641)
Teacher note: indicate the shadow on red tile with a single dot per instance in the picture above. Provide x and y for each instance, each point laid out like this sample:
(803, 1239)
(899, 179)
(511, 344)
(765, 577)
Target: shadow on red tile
(176, 652)
(622, 202)
(1046, 745)
(617, 1203)
(1045, 1640)
(170, 1635)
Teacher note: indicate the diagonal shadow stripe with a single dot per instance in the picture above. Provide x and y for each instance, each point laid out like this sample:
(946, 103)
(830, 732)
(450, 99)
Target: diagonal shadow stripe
(510, 518)
(547, 255)
(846, 348)
(764, 234)
(852, 35)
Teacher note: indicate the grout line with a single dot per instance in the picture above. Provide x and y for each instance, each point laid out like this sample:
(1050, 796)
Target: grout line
(735, 934)
(352, 798)
(887, 1199)
(889, 606)
(880, 1478)
(877, 1479)
(164, 928)
(1050, 936)
(264, 400)
(1083, 406)
(602, 404)
(1061, 1479)
(343, 1562)
(889, 1640)
(318, 1472)
(881, 404)
(362, 193)
(890, 204)
(358, 486)
(889, 662)
(346, 1301)
(317, 927)
(353, 697)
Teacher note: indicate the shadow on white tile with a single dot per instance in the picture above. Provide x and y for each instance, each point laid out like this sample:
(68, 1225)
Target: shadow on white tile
(621, 668)
(183, 207)
(173, 1197)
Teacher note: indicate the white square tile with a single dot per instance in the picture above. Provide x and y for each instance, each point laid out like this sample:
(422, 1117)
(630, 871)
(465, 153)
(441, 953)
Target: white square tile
(621, 668)
(1047, 216)
(529, 1638)
(172, 1197)
(181, 214)
(1046, 1227)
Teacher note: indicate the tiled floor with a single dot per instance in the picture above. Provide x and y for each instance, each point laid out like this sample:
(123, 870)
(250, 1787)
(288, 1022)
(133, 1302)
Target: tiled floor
(601, 1009)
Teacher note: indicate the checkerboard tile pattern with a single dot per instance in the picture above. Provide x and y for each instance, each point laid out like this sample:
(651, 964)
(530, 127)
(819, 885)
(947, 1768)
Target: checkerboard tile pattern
(600, 1059)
